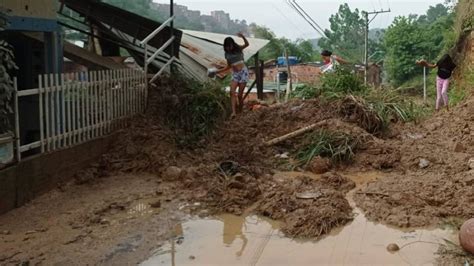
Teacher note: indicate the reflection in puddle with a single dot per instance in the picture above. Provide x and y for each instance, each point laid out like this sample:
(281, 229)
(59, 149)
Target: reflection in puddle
(253, 240)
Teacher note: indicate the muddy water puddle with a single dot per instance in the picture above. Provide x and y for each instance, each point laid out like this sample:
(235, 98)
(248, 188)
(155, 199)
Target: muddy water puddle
(254, 240)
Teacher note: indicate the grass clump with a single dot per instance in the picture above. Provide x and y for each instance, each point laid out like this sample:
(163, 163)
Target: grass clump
(338, 147)
(342, 81)
(193, 109)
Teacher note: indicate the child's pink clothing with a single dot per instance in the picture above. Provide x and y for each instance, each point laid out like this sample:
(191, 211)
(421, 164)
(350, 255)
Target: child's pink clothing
(442, 86)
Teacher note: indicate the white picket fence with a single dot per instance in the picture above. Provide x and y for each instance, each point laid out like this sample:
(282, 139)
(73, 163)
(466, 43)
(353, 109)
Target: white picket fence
(78, 107)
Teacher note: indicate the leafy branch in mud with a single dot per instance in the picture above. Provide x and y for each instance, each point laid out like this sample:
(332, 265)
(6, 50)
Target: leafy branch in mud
(191, 108)
(339, 147)
(371, 109)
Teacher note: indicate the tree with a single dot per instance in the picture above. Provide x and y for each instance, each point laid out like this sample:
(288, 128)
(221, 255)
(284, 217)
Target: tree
(346, 36)
(415, 37)
(404, 43)
(303, 49)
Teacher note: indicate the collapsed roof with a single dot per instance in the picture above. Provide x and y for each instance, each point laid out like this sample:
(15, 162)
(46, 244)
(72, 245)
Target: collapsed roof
(196, 51)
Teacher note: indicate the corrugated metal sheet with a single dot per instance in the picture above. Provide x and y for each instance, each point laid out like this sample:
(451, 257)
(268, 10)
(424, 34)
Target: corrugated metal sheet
(202, 50)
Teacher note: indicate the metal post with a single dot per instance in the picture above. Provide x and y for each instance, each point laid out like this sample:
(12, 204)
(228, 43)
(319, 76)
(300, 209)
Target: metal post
(366, 50)
(278, 86)
(17, 122)
(260, 80)
(172, 34)
(288, 84)
(424, 84)
(146, 60)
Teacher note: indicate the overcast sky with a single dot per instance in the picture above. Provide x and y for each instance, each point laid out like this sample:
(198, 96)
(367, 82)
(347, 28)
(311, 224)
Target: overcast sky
(285, 22)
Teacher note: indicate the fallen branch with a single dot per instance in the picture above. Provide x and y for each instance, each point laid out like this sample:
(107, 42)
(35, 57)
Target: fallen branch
(372, 193)
(295, 133)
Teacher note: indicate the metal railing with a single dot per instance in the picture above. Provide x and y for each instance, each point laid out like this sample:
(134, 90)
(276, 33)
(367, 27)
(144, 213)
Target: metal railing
(148, 60)
(78, 107)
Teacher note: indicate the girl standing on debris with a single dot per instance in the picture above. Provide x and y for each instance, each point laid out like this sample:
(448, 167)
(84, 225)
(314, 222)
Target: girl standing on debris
(240, 73)
(445, 67)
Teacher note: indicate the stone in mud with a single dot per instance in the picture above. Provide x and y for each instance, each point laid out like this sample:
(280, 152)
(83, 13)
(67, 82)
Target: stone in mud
(466, 236)
(423, 163)
(458, 147)
(172, 172)
(156, 204)
(319, 165)
(471, 163)
(392, 247)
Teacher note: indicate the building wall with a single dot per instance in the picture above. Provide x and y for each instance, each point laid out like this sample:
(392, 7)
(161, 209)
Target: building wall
(29, 179)
(31, 8)
(299, 73)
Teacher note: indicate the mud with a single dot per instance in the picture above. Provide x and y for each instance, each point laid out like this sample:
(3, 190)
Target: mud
(109, 222)
(416, 196)
(308, 207)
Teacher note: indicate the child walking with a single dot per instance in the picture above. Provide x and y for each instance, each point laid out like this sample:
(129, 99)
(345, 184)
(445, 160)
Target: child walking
(445, 67)
(240, 74)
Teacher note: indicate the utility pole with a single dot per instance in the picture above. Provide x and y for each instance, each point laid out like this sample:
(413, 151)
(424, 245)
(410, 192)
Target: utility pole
(171, 35)
(367, 23)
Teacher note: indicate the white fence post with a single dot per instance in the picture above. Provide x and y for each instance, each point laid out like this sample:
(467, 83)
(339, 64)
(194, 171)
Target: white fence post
(77, 107)
(57, 130)
(41, 116)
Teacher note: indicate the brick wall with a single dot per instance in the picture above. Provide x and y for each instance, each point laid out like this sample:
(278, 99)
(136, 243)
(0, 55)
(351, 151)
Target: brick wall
(301, 73)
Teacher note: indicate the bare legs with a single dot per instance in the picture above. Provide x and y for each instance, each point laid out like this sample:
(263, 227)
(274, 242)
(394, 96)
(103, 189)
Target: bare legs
(237, 98)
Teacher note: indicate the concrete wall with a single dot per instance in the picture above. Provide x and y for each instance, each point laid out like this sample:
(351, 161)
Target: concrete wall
(31, 8)
(21, 183)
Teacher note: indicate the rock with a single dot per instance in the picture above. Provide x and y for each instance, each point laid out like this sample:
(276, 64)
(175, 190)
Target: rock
(239, 178)
(392, 247)
(5, 232)
(284, 155)
(156, 204)
(471, 163)
(172, 172)
(458, 147)
(236, 185)
(319, 165)
(423, 163)
(466, 236)
(192, 257)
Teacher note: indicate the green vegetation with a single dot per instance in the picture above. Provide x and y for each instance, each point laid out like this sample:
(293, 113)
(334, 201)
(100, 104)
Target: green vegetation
(6, 84)
(193, 109)
(371, 109)
(346, 34)
(414, 37)
(337, 146)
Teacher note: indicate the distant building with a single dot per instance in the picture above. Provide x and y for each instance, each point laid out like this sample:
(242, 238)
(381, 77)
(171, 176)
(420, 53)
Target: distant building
(222, 18)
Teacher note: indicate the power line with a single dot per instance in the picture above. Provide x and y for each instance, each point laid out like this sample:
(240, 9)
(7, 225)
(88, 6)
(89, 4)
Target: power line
(308, 16)
(288, 19)
(305, 18)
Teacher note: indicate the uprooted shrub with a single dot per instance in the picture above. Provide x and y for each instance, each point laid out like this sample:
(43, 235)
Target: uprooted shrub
(189, 107)
(374, 111)
(337, 146)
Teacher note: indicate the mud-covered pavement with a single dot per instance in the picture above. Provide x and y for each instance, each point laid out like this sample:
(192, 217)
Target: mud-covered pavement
(121, 209)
